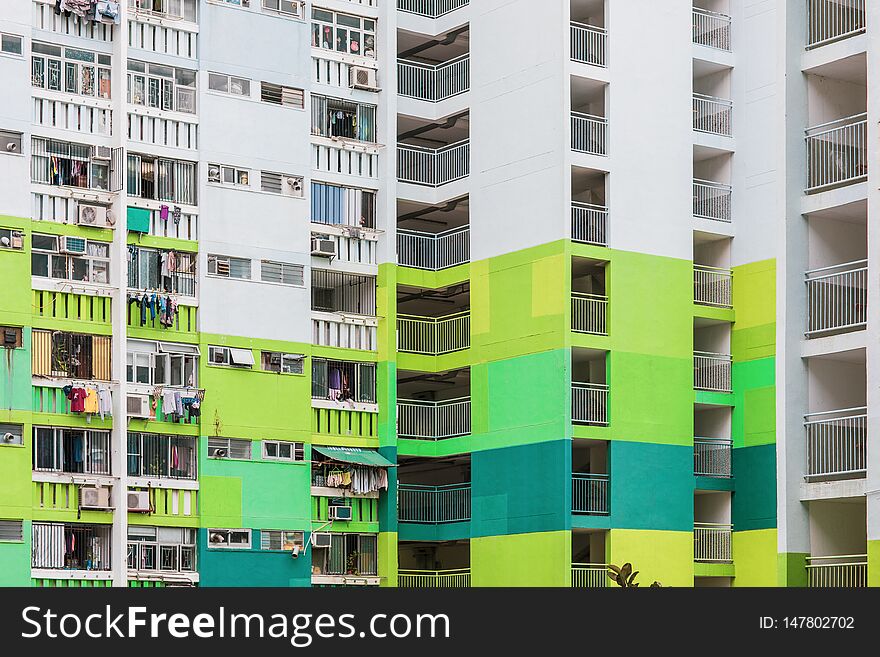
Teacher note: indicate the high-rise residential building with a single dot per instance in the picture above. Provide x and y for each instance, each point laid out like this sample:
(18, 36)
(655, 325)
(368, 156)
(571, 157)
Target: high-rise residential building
(436, 293)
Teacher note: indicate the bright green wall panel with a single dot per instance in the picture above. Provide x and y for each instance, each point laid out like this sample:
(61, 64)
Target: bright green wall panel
(220, 500)
(538, 559)
(253, 567)
(387, 563)
(15, 374)
(873, 563)
(791, 569)
(754, 502)
(754, 553)
(15, 272)
(663, 556)
(15, 558)
(15, 473)
(754, 413)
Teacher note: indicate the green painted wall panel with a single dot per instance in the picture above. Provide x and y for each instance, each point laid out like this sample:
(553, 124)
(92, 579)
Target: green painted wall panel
(664, 556)
(754, 502)
(755, 555)
(535, 559)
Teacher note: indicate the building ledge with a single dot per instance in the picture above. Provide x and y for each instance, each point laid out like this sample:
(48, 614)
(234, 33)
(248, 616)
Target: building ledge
(714, 570)
(828, 490)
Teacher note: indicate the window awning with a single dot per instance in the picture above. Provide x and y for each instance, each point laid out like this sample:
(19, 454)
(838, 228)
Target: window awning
(241, 356)
(354, 455)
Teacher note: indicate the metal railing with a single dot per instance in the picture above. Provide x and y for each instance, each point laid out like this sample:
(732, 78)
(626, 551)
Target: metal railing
(457, 578)
(837, 152)
(844, 571)
(589, 403)
(589, 313)
(712, 371)
(836, 442)
(69, 546)
(433, 420)
(589, 223)
(589, 576)
(588, 44)
(832, 20)
(712, 542)
(433, 505)
(837, 297)
(589, 493)
(712, 200)
(433, 82)
(589, 134)
(713, 457)
(711, 29)
(433, 166)
(712, 286)
(430, 8)
(712, 115)
(434, 336)
(434, 251)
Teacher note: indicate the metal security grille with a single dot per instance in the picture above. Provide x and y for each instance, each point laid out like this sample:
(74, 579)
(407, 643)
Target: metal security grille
(285, 273)
(70, 547)
(333, 117)
(335, 291)
(279, 95)
(338, 380)
(56, 353)
(152, 455)
(235, 448)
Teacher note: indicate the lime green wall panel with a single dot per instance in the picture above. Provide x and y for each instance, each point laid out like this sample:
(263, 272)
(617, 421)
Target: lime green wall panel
(873, 563)
(791, 569)
(221, 501)
(754, 553)
(538, 559)
(387, 564)
(664, 556)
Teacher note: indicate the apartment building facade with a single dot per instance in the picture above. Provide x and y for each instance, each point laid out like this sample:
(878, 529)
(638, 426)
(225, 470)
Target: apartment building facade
(434, 293)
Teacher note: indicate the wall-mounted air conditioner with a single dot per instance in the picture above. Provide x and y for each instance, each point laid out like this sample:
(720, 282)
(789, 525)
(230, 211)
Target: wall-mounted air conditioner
(138, 406)
(323, 246)
(321, 539)
(139, 501)
(101, 152)
(68, 244)
(94, 497)
(92, 215)
(361, 77)
(340, 513)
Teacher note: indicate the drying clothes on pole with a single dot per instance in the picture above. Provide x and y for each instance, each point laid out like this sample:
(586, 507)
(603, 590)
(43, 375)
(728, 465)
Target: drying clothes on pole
(105, 401)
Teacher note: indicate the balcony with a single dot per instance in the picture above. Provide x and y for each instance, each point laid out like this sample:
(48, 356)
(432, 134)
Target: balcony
(433, 505)
(69, 546)
(712, 200)
(837, 443)
(589, 223)
(589, 313)
(430, 8)
(712, 542)
(433, 167)
(589, 403)
(434, 336)
(837, 153)
(588, 44)
(433, 420)
(711, 29)
(433, 251)
(832, 20)
(837, 298)
(712, 286)
(589, 134)
(712, 115)
(434, 579)
(433, 82)
(589, 576)
(589, 494)
(713, 458)
(846, 571)
(712, 371)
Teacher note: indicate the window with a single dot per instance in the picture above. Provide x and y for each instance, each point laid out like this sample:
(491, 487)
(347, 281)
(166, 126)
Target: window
(170, 549)
(10, 44)
(277, 450)
(71, 451)
(334, 117)
(343, 381)
(11, 239)
(158, 269)
(10, 142)
(71, 355)
(275, 539)
(237, 3)
(169, 457)
(277, 94)
(281, 183)
(229, 448)
(70, 546)
(336, 205)
(229, 84)
(11, 531)
(229, 538)
(11, 434)
(284, 273)
(90, 263)
(72, 70)
(161, 87)
(275, 361)
(230, 356)
(227, 267)
(224, 175)
(335, 291)
(162, 179)
(162, 363)
(348, 554)
(183, 9)
(343, 33)
(70, 164)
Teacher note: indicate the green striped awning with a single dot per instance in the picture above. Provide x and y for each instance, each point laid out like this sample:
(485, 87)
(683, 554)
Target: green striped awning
(354, 455)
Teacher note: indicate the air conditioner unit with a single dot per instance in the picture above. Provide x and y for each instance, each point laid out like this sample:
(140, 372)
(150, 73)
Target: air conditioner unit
(219, 453)
(340, 513)
(138, 406)
(321, 539)
(361, 77)
(101, 152)
(92, 215)
(139, 501)
(68, 244)
(292, 186)
(323, 246)
(94, 497)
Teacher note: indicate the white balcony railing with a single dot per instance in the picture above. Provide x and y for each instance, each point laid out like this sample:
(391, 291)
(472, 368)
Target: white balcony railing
(845, 571)
(434, 579)
(589, 313)
(837, 298)
(589, 494)
(588, 44)
(335, 330)
(589, 576)
(712, 115)
(712, 371)
(712, 286)
(433, 420)
(433, 166)
(712, 200)
(711, 29)
(430, 8)
(434, 336)
(712, 542)
(589, 134)
(837, 442)
(433, 251)
(837, 153)
(433, 505)
(589, 403)
(712, 457)
(589, 223)
(433, 83)
(832, 20)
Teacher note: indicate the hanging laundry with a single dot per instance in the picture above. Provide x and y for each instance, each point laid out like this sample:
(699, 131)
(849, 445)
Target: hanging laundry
(144, 305)
(169, 405)
(163, 213)
(90, 403)
(105, 401)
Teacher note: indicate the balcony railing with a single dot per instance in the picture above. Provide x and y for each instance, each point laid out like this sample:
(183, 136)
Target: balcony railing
(433, 83)
(711, 29)
(434, 251)
(837, 442)
(712, 200)
(433, 505)
(712, 457)
(712, 115)
(845, 571)
(589, 403)
(712, 542)
(433, 420)
(589, 494)
(434, 579)
(68, 546)
(588, 44)
(832, 20)
(589, 576)
(589, 223)
(712, 286)
(430, 8)
(712, 371)
(837, 298)
(837, 153)
(589, 134)
(433, 167)
(589, 313)
(434, 336)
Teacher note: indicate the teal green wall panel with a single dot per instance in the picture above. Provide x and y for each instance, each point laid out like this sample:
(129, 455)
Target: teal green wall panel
(754, 502)
(254, 567)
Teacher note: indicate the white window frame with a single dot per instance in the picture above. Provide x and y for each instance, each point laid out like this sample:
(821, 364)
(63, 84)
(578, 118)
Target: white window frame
(13, 137)
(218, 442)
(322, 23)
(297, 451)
(284, 360)
(76, 60)
(17, 430)
(174, 358)
(244, 90)
(181, 13)
(214, 259)
(169, 91)
(288, 539)
(281, 91)
(297, 271)
(141, 541)
(229, 176)
(227, 545)
(15, 236)
(94, 442)
(4, 51)
(94, 262)
(231, 357)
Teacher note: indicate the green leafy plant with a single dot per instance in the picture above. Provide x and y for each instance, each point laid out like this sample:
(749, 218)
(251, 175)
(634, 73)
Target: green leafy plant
(625, 577)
